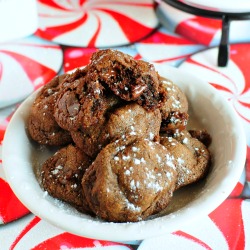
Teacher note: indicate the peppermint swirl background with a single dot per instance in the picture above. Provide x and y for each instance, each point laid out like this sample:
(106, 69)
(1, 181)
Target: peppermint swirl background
(96, 23)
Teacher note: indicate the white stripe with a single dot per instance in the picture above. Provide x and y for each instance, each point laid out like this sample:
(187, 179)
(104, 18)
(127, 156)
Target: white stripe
(19, 86)
(144, 15)
(10, 231)
(80, 35)
(38, 234)
(110, 33)
(209, 58)
(169, 241)
(50, 57)
(206, 231)
(174, 15)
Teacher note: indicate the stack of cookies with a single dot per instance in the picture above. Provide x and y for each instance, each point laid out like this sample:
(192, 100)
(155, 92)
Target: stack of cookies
(121, 129)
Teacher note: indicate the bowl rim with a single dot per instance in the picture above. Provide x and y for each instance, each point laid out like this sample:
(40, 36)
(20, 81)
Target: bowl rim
(39, 205)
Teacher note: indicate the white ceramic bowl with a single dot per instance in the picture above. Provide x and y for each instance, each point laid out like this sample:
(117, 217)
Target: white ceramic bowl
(21, 157)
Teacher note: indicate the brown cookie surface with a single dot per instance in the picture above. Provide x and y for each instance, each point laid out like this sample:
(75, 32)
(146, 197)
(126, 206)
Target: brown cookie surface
(192, 156)
(83, 102)
(130, 79)
(129, 180)
(62, 174)
(174, 109)
(42, 126)
(132, 119)
(92, 139)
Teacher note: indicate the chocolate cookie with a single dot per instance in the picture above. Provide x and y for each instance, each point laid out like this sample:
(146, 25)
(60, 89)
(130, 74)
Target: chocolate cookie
(130, 79)
(83, 102)
(192, 156)
(129, 180)
(42, 126)
(62, 174)
(174, 109)
(93, 138)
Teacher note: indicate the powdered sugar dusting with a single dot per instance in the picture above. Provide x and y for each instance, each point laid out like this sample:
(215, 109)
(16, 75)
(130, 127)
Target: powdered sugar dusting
(131, 206)
(57, 170)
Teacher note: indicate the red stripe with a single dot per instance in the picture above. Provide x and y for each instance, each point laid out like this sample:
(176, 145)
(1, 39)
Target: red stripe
(199, 29)
(33, 69)
(77, 57)
(82, 2)
(192, 238)
(247, 105)
(220, 87)
(132, 29)
(55, 31)
(10, 207)
(2, 132)
(24, 231)
(138, 57)
(237, 190)
(171, 59)
(52, 4)
(228, 218)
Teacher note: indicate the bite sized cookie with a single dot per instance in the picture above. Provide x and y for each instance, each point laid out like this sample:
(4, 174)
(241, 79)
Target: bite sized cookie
(192, 156)
(93, 138)
(42, 126)
(61, 176)
(130, 79)
(133, 119)
(193, 143)
(174, 109)
(130, 180)
(83, 102)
